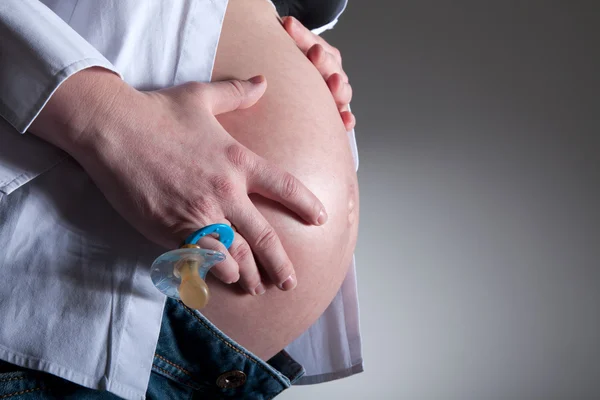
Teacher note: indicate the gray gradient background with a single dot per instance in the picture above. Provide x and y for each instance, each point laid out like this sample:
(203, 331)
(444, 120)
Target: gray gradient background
(479, 249)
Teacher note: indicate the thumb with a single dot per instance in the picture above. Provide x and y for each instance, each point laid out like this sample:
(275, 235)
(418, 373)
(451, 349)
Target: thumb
(225, 96)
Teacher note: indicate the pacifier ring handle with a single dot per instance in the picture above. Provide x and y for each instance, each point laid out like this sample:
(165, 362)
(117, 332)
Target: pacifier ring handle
(226, 234)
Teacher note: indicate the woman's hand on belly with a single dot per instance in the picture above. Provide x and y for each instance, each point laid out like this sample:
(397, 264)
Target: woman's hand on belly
(328, 61)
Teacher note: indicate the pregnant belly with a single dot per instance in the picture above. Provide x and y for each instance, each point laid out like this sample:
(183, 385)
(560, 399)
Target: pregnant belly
(297, 126)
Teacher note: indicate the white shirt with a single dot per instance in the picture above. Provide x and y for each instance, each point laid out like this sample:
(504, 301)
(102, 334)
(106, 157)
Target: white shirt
(76, 299)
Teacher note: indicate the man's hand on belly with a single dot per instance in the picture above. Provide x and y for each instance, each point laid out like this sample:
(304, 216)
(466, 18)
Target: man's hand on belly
(328, 61)
(168, 167)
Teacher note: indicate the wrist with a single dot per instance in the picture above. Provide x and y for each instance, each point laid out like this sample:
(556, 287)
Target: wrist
(84, 100)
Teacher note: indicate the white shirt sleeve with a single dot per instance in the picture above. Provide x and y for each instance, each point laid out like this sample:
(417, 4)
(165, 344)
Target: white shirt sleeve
(38, 51)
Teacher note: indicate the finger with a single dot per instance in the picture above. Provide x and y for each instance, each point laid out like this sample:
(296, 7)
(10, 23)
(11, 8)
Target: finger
(265, 244)
(348, 119)
(341, 91)
(225, 96)
(273, 183)
(305, 39)
(227, 271)
(323, 61)
(250, 278)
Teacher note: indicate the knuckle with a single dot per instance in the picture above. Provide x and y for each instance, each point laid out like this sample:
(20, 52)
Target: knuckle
(266, 240)
(223, 187)
(218, 246)
(200, 207)
(196, 91)
(237, 88)
(241, 253)
(290, 187)
(283, 271)
(238, 156)
(337, 54)
(195, 87)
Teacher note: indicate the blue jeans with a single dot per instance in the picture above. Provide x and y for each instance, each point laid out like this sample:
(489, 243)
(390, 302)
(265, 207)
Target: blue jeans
(193, 360)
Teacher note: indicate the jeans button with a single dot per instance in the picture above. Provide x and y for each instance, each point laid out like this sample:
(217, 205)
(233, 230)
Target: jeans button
(231, 379)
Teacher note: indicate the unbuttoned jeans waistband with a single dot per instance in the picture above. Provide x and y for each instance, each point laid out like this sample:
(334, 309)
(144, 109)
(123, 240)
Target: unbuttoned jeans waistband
(193, 352)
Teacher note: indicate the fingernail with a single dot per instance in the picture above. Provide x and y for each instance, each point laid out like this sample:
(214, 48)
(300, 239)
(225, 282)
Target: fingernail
(260, 289)
(322, 217)
(257, 79)
(289, 284)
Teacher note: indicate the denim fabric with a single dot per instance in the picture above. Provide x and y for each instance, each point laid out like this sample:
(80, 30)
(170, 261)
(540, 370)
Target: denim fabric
(193, 360)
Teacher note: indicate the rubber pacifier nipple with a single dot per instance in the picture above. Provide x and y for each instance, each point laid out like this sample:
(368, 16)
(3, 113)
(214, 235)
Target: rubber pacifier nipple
(193, 290)
(181, 274)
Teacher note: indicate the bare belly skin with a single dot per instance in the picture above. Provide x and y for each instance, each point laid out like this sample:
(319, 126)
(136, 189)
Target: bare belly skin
(297, 126)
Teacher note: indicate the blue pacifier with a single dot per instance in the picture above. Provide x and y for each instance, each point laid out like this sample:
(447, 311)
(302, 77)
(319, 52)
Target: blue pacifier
(180, 274)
